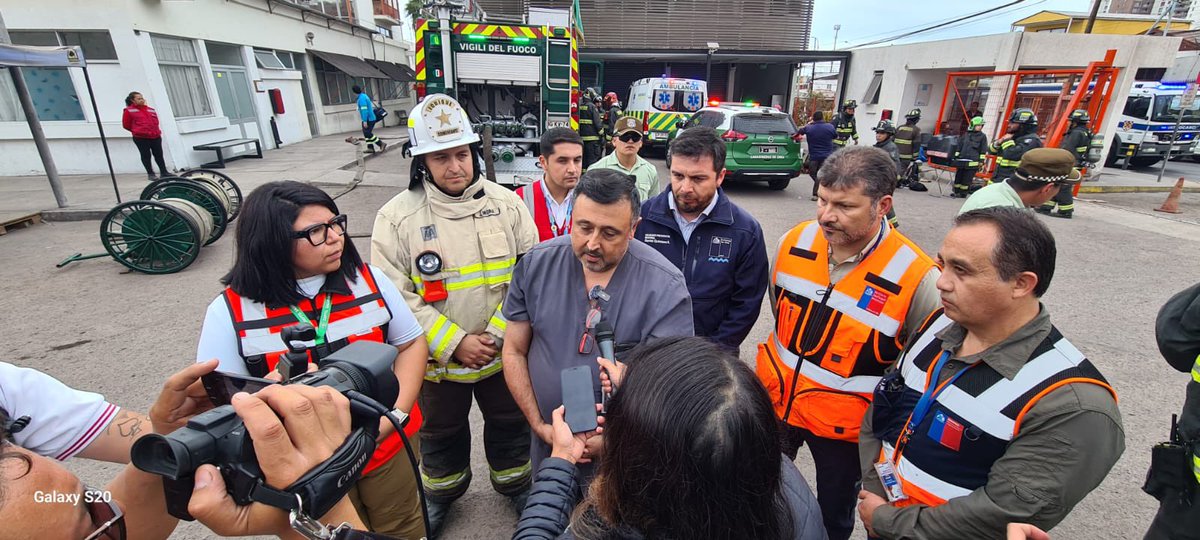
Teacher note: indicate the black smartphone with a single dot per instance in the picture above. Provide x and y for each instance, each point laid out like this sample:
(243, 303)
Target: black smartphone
(221, 386)
(579, 398)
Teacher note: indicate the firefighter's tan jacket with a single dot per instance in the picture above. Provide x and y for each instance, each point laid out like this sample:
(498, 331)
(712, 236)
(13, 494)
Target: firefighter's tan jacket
(478, 236)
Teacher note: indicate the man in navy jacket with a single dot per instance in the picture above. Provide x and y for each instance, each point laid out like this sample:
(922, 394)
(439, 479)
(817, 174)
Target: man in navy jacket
(718, 246)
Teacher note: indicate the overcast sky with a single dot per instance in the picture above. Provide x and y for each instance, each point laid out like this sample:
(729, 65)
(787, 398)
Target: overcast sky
(868, 20)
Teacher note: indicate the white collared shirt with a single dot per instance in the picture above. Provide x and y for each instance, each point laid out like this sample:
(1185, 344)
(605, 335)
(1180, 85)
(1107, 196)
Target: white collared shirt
(688, 227)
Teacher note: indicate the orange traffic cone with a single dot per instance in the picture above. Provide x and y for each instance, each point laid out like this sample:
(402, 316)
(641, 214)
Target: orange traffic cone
(1171, 205)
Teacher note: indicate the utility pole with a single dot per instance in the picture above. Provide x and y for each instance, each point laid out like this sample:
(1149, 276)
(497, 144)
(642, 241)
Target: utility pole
(836, 28)
(1092, 17)
(35, 125)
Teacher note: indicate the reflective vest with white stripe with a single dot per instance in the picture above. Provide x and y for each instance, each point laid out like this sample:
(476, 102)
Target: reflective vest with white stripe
(360, 315)
(971, 423)
(832, 343)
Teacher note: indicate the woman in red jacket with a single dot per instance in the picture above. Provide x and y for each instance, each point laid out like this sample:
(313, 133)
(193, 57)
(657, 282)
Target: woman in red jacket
(141, 120)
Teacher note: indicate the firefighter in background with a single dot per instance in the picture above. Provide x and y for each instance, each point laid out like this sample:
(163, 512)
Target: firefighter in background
(591, 128)
(845, 126)
(908, 143)
(972, 146)
(450, 243)
(885, 134)
(1020, 137)
(1076, 142)
(612, 111)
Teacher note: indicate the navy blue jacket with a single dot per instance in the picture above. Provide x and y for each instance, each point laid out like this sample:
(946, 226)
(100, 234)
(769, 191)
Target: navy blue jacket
(820, 137)
(725, 264)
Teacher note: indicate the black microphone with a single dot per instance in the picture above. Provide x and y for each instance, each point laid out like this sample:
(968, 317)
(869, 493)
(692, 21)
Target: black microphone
(604, 339)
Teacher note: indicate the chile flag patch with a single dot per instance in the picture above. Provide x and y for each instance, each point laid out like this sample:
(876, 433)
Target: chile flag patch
(946, 431)
(873, 300)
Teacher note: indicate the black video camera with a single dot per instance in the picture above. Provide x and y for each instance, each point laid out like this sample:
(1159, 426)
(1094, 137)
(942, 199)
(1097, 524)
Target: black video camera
(219, 437)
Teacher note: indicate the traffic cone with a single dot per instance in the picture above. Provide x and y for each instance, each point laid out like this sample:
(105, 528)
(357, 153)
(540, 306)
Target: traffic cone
(1171, 205)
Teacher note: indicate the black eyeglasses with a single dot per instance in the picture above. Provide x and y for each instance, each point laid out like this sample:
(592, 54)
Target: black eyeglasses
(630, 137)
(319, 234)
(105, 514)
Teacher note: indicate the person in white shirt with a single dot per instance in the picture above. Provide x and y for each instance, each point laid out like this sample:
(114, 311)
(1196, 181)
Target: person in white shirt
(326, 285)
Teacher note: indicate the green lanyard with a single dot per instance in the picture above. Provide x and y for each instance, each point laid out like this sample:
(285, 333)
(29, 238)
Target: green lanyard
(323, 324)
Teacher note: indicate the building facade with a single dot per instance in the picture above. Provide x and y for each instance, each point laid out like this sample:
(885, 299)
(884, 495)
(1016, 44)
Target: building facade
(208, 67)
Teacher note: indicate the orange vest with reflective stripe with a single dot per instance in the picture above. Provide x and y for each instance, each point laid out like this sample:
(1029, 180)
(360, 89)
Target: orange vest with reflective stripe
(361, 315)
(832, 343)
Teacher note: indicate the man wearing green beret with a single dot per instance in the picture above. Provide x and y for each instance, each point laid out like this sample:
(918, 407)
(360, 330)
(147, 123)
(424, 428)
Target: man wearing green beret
(1038, 178)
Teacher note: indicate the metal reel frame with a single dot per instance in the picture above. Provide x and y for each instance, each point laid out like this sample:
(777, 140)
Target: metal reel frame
(150, 237)
(225, 182)
(184, 189)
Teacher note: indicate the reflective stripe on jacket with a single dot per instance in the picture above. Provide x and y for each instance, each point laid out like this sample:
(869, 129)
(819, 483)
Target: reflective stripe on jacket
(535, 201)
(951, 450)
(832, 343)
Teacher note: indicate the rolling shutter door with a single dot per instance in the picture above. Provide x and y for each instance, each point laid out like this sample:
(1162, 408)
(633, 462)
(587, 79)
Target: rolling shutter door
(483, 68)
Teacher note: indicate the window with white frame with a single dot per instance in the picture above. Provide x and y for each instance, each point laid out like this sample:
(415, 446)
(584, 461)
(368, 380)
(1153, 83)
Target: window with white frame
(51, 88)
(180, 67)
(873, 89)
(97, 45)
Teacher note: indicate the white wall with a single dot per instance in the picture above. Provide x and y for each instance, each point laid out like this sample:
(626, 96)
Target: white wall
(130, 24)
(906, 66)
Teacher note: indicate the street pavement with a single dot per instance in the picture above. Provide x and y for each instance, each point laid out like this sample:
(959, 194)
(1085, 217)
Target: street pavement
(99, 327)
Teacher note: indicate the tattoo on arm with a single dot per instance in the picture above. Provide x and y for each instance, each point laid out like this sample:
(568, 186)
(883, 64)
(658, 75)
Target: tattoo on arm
(128, 424)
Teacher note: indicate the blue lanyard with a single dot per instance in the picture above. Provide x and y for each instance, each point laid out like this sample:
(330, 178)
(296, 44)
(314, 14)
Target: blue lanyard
(932, 391)
(550, 212)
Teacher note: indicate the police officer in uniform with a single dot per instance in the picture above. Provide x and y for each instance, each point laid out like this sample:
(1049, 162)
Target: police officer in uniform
(1076, 142)
(450, 243)
(845, 125)
(972, 146)
(1178, 488)
(1020, 137)
(591, 128)
(908, 143)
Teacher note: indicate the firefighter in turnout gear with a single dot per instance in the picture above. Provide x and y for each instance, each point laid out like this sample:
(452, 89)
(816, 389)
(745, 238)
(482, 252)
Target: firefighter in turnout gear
(591, 128)
(1175, 481)
(845, 126)
(908, 143)
(450, 243)
(612, 111)
(846, 291)
(1076, 142)
(972, 146)
(885, 135)
(1020, 137)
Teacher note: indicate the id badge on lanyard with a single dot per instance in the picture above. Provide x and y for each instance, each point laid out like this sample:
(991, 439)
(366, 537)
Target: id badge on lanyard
(891, 482)
(322, 323)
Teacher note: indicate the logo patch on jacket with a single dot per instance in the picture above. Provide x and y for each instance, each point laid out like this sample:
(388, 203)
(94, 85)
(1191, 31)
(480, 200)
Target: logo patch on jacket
(720, 249)
(873, 300)
(946, 431)
(488, 212)
(655, 238)
(428, 232)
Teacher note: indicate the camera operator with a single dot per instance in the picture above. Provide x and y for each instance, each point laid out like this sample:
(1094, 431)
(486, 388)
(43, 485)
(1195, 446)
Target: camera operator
(73, 424)
(692, 451)
(298, 426)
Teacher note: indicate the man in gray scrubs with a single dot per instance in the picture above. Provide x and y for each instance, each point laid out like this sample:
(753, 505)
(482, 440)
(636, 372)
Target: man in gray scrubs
(563, 287)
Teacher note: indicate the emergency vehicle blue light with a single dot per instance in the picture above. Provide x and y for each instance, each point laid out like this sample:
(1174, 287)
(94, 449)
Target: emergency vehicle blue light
(1172, 86)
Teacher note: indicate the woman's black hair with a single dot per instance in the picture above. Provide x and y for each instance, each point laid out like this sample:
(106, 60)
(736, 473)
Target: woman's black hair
(263, 269)
(6, 453)
(417, 171)
(691, 450)
(129, 98)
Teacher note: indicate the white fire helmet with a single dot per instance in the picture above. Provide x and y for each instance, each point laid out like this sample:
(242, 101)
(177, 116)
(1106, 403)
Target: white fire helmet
(438, 123)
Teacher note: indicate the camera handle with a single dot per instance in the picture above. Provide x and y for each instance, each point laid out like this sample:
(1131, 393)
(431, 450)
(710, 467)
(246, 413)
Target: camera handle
(295, 362)
(399, 419)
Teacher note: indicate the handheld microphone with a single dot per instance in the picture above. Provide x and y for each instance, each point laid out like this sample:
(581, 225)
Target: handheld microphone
(604, 339)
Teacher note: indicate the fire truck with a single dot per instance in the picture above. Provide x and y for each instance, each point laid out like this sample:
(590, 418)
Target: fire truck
(519, 79)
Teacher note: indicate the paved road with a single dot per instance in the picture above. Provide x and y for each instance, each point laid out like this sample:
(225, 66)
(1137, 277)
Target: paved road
(99, 327)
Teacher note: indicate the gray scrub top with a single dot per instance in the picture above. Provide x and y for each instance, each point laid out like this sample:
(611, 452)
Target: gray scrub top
(649, 298)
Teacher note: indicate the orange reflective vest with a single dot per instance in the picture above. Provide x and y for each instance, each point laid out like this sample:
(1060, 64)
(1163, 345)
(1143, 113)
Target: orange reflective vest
(358, 314)
(832, 343)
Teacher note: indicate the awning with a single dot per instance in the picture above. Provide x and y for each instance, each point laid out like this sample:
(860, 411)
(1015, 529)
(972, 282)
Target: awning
(350, 65)
(396, 72)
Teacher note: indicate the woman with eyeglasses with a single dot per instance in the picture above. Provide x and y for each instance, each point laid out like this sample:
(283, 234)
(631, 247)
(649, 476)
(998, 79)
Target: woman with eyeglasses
(295, 265)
